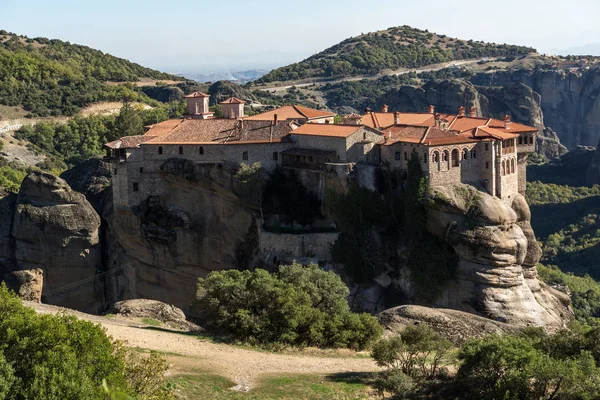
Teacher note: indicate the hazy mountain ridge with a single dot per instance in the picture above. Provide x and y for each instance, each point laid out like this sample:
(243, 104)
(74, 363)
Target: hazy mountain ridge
(237, 76)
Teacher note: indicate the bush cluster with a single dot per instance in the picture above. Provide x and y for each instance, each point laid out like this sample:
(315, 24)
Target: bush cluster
(47, 357)
(531, 365)
(297, 306)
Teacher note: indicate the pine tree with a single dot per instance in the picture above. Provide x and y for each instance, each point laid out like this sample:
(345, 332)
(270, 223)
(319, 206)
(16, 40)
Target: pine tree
(128, 122)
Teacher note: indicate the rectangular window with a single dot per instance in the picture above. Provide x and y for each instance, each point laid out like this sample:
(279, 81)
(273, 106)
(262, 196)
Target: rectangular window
(115, 171)
(136, 187)
(487, 147)
(141, 170)
(487, 165)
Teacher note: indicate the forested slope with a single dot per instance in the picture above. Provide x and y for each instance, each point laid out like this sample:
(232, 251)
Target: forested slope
(394, 48)
(51, 77)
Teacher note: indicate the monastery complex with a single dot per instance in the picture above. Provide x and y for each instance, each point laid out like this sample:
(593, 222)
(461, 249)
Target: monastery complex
(487, 153)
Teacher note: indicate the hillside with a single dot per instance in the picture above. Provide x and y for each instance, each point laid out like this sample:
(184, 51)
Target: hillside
(50, 77)
(393, 48)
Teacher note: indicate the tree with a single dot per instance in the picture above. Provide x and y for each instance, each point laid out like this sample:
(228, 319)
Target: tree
(298, 306)
(128, 122)
(418, 351)
(61, 357)
(252, 179)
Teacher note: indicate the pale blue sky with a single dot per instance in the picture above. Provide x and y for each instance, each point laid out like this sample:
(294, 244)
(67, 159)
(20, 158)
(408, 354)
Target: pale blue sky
(205, 36)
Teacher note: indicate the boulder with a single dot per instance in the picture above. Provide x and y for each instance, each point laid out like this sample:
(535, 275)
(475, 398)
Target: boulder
(156, 310)
(456, 326)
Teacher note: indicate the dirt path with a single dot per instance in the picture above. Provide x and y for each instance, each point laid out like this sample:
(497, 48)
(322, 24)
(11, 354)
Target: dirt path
(192, 354)
(275, 87)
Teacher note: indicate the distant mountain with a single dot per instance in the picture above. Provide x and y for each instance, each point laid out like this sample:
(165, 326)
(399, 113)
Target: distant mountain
(394, 48)
(590, 49)
(238, 77)
(51, 77)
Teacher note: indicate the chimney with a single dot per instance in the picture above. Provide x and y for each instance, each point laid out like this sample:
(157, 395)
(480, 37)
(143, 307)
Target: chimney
(384, 108)
(396, 118)
(390, 135)
(367, 110)
(275, 119)
(431, 109)
(473, 112)
(461, 111)
(507, 122)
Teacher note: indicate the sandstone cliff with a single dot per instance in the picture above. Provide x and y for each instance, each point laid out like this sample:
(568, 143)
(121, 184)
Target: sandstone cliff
(496, 275)
(54, 240)
(514, 98)
(89, 259)
(569, 100)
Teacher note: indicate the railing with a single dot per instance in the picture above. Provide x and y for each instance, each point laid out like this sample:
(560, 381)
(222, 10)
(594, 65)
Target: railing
(508, 150)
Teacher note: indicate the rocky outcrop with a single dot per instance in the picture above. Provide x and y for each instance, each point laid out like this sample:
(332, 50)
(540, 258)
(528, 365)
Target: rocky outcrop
(195, 225)
(593, 171)
(167, 314)
(55, 230)
(456, 326)
(496, 277)
(514, 98)
(570, 101)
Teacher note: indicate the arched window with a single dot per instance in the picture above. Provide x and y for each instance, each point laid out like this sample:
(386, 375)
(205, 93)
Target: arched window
(436, 157)
(455, 159)
(275, 156)
(405, 156)
(425, 156)
(503, 168)
(512, 166)
(201, 150)
(245, 156)
(473, 153)
(364, 135)
(445, 155)
(180, 149)
(465, 154)
(520, 139)
(160, 150)
(397, 156)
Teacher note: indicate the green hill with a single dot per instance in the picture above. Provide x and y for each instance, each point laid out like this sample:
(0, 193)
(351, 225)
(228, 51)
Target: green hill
(394, 48)
(51, 77)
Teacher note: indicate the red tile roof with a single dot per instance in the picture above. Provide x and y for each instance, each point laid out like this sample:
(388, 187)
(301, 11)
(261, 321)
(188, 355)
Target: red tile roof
(330, 130)
(233, 100)
(197, 94)
(219, 131)
(129, 142)
(291, 112)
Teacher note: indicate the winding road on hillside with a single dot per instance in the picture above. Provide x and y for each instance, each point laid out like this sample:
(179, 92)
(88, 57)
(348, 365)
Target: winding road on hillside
(303, 83)
(190, 354)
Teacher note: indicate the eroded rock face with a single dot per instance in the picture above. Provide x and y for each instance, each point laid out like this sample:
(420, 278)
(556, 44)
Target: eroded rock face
(456, 326)
(55, 230)
(496, 246)
(195, 225)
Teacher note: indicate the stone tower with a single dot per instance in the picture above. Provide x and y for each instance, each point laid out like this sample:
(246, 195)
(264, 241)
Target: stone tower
(233, 108)
(197, 105)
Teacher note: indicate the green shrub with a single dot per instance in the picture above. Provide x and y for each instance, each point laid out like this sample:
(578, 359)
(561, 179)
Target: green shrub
(395, 382)
(61, 357)
(298, 306)
(524, 367)
(418, 352)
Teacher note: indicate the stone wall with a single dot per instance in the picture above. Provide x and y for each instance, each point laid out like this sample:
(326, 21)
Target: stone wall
(361, 147)
(337, 144)
(310, 245)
